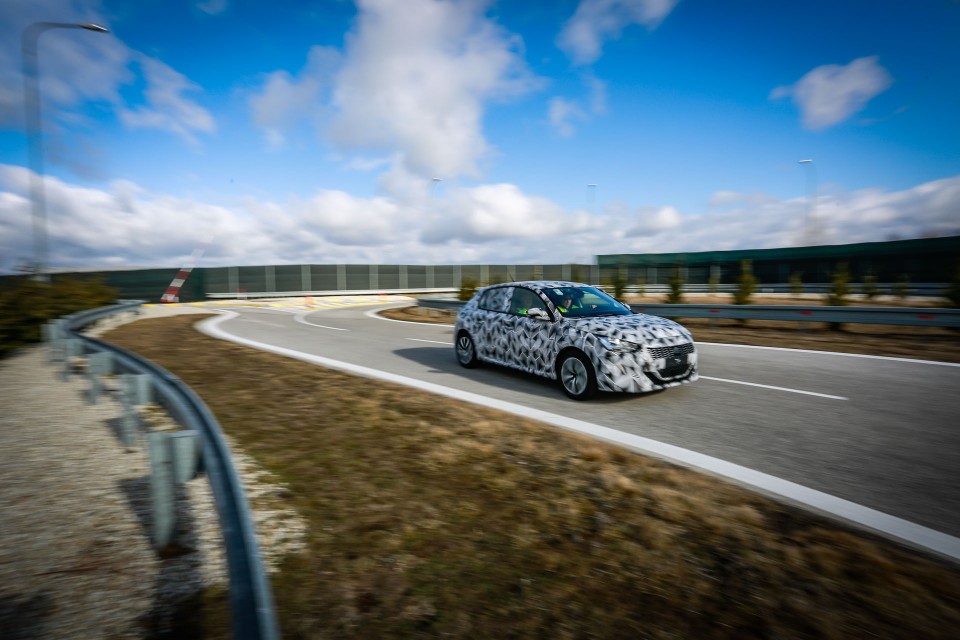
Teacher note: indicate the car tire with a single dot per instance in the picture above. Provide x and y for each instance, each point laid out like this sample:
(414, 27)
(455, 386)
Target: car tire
(466, 350)
(576, 376)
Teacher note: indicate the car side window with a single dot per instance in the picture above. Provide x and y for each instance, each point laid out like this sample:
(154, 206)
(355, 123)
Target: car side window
(524, 299)
(496, 299)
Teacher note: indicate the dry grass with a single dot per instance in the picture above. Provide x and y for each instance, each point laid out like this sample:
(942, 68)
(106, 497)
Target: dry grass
(433, 518)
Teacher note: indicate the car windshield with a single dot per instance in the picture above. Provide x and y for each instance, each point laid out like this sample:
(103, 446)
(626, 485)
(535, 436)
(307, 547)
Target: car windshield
(584, 302)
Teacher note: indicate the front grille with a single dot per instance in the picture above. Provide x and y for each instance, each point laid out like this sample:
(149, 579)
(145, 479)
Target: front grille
(665, 352)
(669, 374)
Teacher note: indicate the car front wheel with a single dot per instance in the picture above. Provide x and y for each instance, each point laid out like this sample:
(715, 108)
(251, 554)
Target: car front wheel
(466, 351)
(577, 376)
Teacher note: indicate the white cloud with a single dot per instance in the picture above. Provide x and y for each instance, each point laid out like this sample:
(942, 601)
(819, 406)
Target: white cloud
(213, 7)
(125, 225)
(654, 220)
(499, 211)
(597, 21)
(417, 77)
(833, 93)
(167, 108)
(561, 114)
(284, 100)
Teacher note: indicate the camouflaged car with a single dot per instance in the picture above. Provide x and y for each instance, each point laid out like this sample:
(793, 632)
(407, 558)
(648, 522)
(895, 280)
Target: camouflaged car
(574, 333)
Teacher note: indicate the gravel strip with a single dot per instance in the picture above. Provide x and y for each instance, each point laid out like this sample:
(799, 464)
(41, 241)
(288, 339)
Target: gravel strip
(76, 559)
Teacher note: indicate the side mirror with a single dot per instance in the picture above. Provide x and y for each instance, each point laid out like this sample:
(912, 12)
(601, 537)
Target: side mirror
(538, 314)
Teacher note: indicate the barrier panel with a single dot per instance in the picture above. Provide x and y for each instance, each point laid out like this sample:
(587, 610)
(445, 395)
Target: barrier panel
(904, 316)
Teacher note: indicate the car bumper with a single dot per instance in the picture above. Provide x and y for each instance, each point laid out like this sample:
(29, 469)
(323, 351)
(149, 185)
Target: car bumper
(638, 373)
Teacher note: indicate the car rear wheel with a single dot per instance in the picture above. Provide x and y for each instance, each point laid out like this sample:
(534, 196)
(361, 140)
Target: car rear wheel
(466, 351)
(577, 376)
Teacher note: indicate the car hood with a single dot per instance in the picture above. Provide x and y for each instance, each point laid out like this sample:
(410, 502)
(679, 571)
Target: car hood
(639, 327)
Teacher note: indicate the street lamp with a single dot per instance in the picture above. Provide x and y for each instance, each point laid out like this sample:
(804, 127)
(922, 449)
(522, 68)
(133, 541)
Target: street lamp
(811, 230)
(31, 98)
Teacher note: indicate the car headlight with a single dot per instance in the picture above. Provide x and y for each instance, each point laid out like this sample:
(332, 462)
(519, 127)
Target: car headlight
(616, 344)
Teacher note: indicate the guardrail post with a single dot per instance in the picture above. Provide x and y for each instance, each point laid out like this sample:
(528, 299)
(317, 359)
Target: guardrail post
(71, 347)
(185, 447)
(174, 459)
(161, 489)
(137, 388)
(53, 336)
(98, 364)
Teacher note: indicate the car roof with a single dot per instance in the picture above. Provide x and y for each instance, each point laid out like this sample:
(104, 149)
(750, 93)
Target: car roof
(540, 284)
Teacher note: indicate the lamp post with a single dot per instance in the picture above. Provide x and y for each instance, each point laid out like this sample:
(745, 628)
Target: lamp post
(811, 230)
(31, 98)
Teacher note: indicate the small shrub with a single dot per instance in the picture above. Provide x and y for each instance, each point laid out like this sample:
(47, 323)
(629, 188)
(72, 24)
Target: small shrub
(839, 290)
(619, 284)
(839, 286)
(713, 285)
(902, 286)
(746, 283)
(468, 287)
(869, 288)
(641, 285)
(796, 283)
(676, 287)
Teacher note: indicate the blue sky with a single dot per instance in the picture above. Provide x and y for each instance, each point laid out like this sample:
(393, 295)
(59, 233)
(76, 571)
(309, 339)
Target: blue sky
(427, 131)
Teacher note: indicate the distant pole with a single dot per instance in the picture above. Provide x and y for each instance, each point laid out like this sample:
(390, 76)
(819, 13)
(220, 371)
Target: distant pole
(433, 184)
(811, 231)
(31, 99)
(591, 195)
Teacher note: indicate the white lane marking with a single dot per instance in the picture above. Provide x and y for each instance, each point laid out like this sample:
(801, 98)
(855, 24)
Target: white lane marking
(835, 353)
(877, 521)
(767, 386)
(431, 341)
(301, 318)
(269, 324)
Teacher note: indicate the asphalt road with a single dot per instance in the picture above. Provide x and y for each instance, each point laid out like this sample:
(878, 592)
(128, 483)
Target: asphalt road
(879, 432)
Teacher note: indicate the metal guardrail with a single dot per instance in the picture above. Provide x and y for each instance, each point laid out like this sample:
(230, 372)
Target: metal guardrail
(904, 316)
(251, 599)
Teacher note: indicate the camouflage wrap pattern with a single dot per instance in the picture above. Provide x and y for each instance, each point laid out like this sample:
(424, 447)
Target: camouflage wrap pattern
(648, 352)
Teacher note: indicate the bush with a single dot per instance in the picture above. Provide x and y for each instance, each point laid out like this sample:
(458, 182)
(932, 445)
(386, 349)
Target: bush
(902, 286)
(713, 285)
(839, 290)
(869, 288)
(746, 283)
(26, 304)
(641, 285)
(676, 287)
(619, 284)
(839, 286)
(796, 283)
(468, 288)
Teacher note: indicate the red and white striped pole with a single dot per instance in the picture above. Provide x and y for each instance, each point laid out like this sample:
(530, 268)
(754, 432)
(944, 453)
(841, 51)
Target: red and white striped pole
(173, 291)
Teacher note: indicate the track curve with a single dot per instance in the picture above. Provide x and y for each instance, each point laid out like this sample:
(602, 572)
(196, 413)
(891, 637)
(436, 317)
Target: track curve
(874, 431)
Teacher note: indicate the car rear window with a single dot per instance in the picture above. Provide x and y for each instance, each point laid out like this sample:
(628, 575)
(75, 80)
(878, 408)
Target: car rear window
(496, 299)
